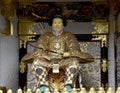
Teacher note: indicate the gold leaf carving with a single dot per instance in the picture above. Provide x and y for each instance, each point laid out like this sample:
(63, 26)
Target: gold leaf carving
(100, 27)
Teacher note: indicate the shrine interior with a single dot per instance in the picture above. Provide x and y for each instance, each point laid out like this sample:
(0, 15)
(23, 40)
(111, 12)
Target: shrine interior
(95, 24)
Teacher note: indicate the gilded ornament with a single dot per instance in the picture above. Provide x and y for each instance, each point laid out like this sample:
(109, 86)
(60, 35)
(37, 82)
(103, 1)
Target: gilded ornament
(103, 38)
(104, 65)
(22, 67)
(100, 27)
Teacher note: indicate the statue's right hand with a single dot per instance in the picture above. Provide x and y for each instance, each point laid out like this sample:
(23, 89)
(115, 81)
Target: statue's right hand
(66, 54)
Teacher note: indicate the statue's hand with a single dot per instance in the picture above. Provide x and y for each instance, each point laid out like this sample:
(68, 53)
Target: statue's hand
(46, 57)
(66, 54)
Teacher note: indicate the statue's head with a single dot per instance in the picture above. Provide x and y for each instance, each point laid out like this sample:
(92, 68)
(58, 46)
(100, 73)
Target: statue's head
(58, 23)
(60, 17)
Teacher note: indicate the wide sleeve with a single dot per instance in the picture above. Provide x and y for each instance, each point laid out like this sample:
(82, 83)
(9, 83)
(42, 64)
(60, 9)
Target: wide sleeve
(72, 44)
(42, 42)
(73, 48)
(39, 49)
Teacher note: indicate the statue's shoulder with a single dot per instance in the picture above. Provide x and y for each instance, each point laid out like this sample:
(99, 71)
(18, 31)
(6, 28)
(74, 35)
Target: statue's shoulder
(67, 33)
(46, 34)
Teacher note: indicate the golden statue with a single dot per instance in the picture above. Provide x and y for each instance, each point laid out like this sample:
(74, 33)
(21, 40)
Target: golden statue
(57, 57)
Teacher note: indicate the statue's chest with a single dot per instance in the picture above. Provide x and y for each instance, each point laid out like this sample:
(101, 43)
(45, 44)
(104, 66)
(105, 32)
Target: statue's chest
(57, 43)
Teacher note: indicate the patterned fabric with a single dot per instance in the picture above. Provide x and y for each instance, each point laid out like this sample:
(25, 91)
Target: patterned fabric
(41, 73)
(66, 42)
(71, 72)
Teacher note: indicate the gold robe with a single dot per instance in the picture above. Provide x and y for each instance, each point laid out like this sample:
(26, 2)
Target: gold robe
(52, 47)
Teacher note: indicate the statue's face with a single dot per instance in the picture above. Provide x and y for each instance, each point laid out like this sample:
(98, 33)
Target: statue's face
(57, 25)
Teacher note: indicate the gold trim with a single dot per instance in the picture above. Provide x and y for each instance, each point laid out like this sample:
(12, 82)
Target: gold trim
(22, 67)
(100, 27)
(104, 65)
(103, 38)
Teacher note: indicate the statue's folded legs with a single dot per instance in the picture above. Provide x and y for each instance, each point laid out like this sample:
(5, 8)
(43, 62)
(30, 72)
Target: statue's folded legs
(41, 75)
(65, 78)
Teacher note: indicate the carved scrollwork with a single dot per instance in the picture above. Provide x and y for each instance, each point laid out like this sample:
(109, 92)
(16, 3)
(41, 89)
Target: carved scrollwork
(100, 27)
(100, 30)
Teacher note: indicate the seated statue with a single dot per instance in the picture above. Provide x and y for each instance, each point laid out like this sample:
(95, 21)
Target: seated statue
(57, 57)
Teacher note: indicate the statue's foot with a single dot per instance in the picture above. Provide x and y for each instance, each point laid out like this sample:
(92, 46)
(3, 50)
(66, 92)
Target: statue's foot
(43, 88)
(69, 88)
